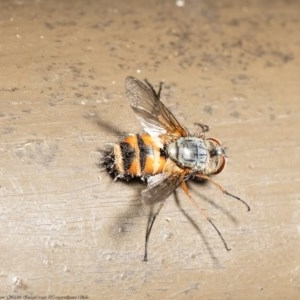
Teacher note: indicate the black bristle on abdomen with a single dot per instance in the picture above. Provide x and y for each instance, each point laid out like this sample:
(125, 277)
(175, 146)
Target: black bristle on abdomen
(108, 161)
(128, 154)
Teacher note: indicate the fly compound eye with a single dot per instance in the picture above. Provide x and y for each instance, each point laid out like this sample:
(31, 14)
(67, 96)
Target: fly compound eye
(218, 151)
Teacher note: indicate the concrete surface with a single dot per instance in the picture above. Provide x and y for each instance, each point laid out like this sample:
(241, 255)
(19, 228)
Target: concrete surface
(66, 230)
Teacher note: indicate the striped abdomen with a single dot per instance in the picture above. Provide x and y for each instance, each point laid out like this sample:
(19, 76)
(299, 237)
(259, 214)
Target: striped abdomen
(138, 155)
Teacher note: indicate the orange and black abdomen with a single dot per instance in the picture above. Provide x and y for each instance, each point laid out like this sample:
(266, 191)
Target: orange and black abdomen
(137, 156)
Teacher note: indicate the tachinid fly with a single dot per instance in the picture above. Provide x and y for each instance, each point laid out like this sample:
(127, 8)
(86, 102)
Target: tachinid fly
(166, 155)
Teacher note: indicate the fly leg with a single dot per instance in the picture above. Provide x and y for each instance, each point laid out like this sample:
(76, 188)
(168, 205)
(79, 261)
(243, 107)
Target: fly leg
(149, 228)
(223, 190)
(157, 94)
(204, 213)
(201, 129)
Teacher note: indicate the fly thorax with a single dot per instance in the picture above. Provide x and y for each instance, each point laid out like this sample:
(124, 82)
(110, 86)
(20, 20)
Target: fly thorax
(189, 152)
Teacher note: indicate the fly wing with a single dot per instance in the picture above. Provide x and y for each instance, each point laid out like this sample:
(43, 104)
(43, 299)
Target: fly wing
(162, 185)
(155, 118)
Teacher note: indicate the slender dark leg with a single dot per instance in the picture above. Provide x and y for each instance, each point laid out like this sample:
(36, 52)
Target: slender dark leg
(159, 89)
(153, 90)
(201, 128)
(223, 190)
(195, 225)
(204, 213)
(149, 228)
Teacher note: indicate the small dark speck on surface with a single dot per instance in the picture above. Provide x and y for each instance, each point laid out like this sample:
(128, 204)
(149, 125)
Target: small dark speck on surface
(78, 95)
(28, 111)
(90, 115)
(235, 114)
(13, 89)
(240, 79)
(8, 130)
(49, 25)
(66, 23)
(234, 22)
(208, 109)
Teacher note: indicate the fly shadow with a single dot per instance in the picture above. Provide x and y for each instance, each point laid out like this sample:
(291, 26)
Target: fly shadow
(198, 229)
(195, 182)
(125, 219)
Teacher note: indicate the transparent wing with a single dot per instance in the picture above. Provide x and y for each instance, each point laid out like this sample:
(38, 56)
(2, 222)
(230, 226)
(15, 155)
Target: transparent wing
(155, 118)
(162, 185)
